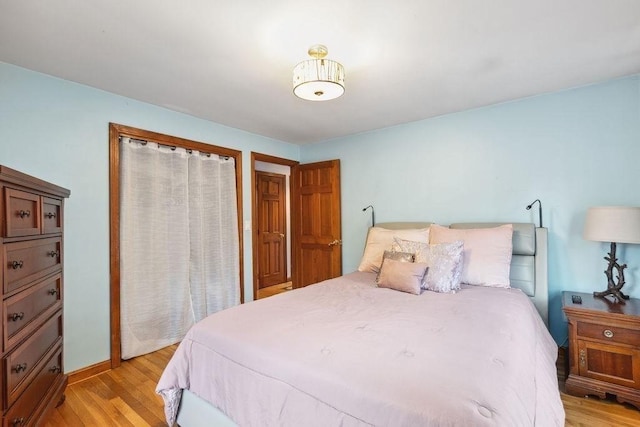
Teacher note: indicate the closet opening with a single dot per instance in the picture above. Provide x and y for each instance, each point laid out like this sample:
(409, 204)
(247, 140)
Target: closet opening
(196, 163)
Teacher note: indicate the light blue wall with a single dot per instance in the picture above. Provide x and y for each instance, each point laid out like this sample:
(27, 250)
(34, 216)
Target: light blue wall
(571, 149)
(58, 131)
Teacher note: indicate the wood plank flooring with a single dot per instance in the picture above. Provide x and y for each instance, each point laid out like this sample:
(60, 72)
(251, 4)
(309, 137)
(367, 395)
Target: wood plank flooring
(274, 290)
(126, 397)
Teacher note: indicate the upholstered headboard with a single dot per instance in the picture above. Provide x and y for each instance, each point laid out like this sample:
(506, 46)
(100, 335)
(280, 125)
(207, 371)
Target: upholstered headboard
(528, 263)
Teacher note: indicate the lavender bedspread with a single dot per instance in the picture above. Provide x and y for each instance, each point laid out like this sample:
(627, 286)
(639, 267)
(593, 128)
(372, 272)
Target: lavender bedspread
(346, 353)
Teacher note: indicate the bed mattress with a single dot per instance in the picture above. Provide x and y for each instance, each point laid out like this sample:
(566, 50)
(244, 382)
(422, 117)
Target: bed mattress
(346, 353)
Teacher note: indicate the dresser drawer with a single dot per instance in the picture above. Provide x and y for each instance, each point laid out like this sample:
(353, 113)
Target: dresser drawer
(28, 309)
(22, 213)
(21, 362)
(30, 260)
(27, 404)
(51, 215)
(606, 333)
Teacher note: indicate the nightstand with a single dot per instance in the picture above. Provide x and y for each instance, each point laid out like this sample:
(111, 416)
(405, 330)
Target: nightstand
(604, 347)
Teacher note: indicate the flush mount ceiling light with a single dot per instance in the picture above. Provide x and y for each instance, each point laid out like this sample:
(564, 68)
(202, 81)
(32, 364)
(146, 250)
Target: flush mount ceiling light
(318, 79)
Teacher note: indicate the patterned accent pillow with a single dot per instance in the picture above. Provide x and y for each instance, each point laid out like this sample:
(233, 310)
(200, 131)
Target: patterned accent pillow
(396, 256)
(402, 276)
(445, 261)
(380, 239)
(419, 249)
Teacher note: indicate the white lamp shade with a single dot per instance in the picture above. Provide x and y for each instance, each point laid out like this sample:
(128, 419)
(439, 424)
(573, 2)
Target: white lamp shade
(318, 80)
(619, 224)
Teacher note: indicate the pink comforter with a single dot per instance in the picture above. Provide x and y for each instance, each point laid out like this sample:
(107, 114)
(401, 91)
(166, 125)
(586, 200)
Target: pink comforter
(346, 353)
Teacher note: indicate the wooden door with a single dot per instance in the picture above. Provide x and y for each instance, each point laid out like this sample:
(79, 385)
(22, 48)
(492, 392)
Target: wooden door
(316, 223)
(272, 247)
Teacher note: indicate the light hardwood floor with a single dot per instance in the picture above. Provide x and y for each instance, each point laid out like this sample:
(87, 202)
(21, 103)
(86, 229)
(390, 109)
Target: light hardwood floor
(274, 290)
(126, 397)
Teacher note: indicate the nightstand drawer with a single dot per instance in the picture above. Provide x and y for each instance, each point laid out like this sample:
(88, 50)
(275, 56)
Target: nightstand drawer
(607, 333)
(610, 363)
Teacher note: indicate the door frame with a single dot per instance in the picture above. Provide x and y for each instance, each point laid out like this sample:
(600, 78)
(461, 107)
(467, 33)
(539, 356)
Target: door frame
(260, 157)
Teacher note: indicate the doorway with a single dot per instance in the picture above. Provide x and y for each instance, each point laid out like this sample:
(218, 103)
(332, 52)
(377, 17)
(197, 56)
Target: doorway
(315, 247)
(271, 224)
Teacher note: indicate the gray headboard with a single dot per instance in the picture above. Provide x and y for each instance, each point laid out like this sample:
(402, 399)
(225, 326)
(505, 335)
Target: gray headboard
(528, 263)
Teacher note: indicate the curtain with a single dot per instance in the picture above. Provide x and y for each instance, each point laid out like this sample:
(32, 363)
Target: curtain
(179, 258)
(213, 227)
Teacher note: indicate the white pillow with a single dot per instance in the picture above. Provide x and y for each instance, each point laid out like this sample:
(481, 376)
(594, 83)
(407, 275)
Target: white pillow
(487, 253)
(381, 239)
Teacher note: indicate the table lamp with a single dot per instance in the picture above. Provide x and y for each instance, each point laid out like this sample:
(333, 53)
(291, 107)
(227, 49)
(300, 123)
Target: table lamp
(614, 224)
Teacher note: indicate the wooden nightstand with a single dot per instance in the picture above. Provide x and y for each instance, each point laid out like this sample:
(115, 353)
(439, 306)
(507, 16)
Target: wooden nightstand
(604, 347)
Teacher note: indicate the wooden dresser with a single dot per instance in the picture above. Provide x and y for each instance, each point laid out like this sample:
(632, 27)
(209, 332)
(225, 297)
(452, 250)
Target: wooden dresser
(604, 347)
(31, 217)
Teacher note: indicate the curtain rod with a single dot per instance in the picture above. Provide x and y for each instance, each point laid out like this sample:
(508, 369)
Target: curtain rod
(172, 147)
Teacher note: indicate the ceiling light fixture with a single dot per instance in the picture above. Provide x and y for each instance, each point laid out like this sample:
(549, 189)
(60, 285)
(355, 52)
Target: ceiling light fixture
(318, 79)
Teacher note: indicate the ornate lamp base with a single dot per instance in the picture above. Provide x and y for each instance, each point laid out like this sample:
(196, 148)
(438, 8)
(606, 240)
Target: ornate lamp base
(617, 294)
(612, 287)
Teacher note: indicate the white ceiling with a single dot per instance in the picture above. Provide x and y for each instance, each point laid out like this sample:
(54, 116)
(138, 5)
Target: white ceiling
(231, 61)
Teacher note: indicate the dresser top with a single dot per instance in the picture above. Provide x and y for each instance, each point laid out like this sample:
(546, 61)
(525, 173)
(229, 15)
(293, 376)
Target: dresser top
(631, 307)
(15, 177)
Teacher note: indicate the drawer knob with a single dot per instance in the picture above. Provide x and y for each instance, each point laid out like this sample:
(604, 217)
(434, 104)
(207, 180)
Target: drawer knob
(16, 264)
(52, 291)
(50, 215)
(17, 421)
(53, 254)
(16, 316)
(608, 333)
(24, 214)
(20, 367)
(55, 369)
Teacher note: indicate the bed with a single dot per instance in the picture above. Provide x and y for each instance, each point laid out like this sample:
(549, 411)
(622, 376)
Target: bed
(346, 352)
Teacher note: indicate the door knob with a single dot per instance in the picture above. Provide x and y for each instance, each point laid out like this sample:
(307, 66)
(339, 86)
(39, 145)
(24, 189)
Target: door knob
(282, 235)
(335, 242)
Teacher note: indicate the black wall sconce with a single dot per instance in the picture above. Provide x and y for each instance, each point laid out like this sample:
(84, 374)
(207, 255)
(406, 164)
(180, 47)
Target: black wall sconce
(539, 209)
(373, 215)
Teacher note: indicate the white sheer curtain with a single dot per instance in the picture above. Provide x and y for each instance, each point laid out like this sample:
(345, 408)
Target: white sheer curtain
(213, 227)
(179, 244)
